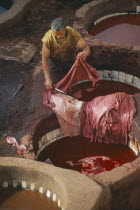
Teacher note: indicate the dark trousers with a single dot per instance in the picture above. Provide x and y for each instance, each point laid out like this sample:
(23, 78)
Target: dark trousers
(58, 69)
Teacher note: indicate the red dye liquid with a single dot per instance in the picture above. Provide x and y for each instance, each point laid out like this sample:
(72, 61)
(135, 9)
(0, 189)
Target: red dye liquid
(89, 158)
(102, 88)
(123, 29)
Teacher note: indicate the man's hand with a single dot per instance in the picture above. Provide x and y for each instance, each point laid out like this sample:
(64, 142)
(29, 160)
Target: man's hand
(82, 55)
(48, 84)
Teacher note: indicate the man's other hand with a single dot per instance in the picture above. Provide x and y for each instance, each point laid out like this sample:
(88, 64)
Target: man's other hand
(48, 84)
(82, 55)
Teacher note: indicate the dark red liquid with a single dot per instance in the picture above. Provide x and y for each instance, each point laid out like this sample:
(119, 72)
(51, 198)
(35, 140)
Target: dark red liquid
(122, 29)
(102, 88)
(89, 158)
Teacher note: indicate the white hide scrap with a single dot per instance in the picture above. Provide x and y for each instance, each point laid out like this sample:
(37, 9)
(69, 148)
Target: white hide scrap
(67, 110)
(20, 148)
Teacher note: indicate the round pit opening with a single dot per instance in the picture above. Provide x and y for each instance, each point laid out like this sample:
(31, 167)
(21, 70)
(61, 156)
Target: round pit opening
(79, 153)
(102, 88)
(112, 54)
(89, 158)
(35, 185)
(120, 30)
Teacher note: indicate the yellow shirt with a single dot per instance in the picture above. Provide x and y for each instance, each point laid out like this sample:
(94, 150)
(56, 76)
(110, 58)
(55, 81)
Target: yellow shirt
(62, 52)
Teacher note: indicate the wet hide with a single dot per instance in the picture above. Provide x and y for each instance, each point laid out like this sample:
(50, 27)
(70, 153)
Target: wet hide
(80, 70)
(107, 118)
(104, 119)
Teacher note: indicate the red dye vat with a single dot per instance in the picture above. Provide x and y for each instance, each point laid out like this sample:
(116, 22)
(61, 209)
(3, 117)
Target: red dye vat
(123, 29)
(89, 158)
(79, 153)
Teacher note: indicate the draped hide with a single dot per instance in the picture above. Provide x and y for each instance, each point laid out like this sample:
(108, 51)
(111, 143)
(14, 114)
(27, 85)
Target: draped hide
(103, 119)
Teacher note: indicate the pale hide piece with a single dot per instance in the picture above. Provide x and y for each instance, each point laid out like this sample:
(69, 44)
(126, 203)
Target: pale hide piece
(103, 119)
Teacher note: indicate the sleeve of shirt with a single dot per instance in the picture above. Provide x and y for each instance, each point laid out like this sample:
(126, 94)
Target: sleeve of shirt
(47, 40)
(76, 36)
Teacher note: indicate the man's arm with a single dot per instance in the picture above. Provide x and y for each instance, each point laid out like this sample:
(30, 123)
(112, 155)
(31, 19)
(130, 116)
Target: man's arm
(45, 55)
(82, 45)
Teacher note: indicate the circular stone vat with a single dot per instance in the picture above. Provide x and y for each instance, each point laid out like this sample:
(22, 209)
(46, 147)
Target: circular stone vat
(27, 199)
(14, 14)
(48, 131)
(105, 55)
(63, 187)
(120, 29)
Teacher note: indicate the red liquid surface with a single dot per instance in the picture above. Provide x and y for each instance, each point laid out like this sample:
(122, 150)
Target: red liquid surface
(123, 29)
(89, 158)
(102, 88)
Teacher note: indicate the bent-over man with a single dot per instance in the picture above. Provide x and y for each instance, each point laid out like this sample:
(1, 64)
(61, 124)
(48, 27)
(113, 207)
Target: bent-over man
(61, 45)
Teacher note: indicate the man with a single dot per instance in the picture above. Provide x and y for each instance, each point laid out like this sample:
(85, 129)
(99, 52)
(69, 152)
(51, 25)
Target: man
(61, 44)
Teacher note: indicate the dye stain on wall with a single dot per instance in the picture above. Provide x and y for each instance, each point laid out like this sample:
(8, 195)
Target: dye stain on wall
(122, 30)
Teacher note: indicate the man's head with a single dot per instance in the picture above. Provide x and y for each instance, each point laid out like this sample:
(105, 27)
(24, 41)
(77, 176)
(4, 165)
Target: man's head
(58, 27)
